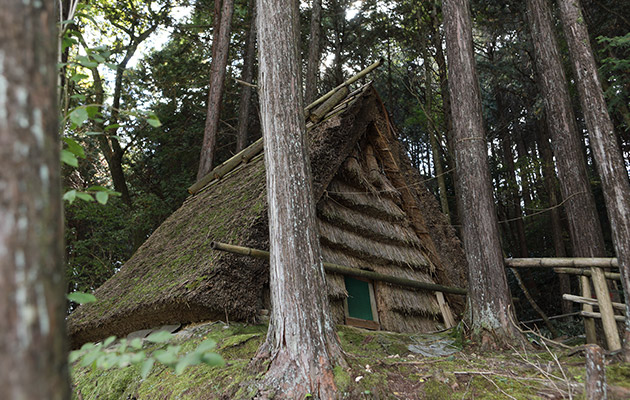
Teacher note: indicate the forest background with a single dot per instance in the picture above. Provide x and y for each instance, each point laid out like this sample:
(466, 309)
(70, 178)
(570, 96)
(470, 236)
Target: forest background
(140, 115)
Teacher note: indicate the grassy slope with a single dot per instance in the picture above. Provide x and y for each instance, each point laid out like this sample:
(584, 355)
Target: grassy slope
(388, 370)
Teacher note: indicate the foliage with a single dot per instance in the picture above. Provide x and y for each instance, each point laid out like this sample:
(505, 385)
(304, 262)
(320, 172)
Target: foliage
(111, 354)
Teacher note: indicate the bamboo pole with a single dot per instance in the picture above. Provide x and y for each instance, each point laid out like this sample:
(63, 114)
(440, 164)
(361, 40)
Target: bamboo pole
(593, 302)
(555, 262)
(328, 105)
(585, 272)
(343, 270)
(605, 308)
(346, 83)
(589, 323)
(217, 173)
(587, 314)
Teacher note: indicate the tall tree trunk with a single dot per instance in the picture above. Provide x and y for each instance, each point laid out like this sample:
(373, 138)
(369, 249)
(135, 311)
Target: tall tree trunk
(526, 186)
(550, 183)
(314, 53)
(433, 133)
(301, 342)
(223, 11)
(33, 353)
(247, 76)
(584, 226)
(489, 297)
(609, 161)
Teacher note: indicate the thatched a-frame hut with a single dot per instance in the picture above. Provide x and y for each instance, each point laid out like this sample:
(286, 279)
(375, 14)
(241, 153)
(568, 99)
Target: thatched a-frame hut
(373, 212)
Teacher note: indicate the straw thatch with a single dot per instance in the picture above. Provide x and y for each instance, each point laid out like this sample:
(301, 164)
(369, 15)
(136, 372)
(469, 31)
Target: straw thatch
(372, 212)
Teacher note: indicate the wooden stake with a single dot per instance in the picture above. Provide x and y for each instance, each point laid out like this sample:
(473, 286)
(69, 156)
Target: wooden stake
(589, 323)
(605, 308)
(449, 321)
(595, 373)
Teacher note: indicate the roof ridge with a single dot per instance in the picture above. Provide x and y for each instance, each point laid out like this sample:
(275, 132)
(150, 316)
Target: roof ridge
(252, 150)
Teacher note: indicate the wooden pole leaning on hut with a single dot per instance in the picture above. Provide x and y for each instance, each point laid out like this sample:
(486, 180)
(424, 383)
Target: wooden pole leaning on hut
(344, 270)
(558, 262)
(326, 103)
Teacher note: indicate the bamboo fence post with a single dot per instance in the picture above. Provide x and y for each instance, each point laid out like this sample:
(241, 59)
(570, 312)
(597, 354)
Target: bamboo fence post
(595, 385)
(593, 302)
(581, 271)
(605, 308)
(589, 323)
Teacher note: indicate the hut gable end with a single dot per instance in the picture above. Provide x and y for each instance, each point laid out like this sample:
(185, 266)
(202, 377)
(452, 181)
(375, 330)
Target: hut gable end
(372, 215)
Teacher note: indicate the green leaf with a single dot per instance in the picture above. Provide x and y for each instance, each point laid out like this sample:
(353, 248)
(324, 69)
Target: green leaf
(109, 340)
(159, 337)
(154, 122)
(136, 343)
(84, 196)
(70, 196)
(112, 126)
(99, 58)
(80, 97)
(111, 66)
(69, 158)
(78, 77)
(86, 62)
(78, 116)
(189, 359)
(102, 197)
(74, 355)
(146, 367)
(206, 345)
(74, 147)
(91, 357)
(213, 359)
(93, 133)
(137, 358)
(81, 298)
(92, 111)
(165, 357)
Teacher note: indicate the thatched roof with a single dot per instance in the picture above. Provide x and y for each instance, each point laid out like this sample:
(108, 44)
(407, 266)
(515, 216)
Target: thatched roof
(381, 219)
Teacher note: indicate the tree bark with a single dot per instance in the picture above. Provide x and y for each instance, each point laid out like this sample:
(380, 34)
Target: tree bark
(610, 163)
(33, 353)
(550, 183)
(247, 76)
(223, 11)
(584, 226)
(301, 342)
(314, 53)
(489, 297)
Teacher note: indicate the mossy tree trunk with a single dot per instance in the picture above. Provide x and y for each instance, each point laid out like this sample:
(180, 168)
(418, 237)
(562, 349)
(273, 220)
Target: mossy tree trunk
(488, 296)
(33, 361)
(301, 342)
(606, 151)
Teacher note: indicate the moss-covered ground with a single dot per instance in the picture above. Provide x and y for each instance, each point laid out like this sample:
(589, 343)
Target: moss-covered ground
(381, 365)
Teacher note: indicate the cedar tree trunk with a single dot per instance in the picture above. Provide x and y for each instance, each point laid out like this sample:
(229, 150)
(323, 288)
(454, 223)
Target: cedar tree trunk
(301, 342)
(247, 76)
(223, 11)
(584, 227)
(489, 296)
(609, 161)
(33, 358)
(312, 64)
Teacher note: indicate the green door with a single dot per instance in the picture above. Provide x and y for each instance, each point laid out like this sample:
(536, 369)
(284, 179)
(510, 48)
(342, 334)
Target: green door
(359, 304)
